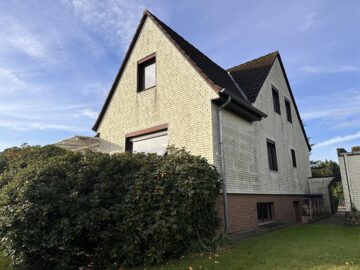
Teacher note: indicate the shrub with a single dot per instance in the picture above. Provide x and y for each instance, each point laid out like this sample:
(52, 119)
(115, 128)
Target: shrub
(65, 210)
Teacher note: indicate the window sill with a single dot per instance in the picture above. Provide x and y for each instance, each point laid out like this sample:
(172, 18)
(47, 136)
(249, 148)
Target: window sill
(263, 223)
(273, 171)
(149, 88)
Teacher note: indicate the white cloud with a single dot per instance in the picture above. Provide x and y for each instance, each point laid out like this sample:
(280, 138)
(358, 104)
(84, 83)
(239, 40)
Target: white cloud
(23, 38)
(330, 69)
(10, 81)
(338, 140)
(34, 125)
(309, 21)
(117, 19)
(343, 105)
(90, 113)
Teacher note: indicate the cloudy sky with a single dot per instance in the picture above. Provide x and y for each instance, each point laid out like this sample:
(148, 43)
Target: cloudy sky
(58, 59)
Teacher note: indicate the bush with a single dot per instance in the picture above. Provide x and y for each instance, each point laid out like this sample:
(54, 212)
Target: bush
(65, 210)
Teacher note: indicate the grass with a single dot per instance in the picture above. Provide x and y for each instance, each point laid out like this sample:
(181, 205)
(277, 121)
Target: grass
(313, 247)
(4, 263)
(310, 247)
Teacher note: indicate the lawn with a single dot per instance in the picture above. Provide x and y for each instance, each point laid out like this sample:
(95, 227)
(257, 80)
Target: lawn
(315, 247)
(4, 263)
(310, 247)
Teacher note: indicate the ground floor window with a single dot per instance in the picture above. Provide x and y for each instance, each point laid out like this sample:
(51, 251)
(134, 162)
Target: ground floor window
(265, 211)
(155, 142)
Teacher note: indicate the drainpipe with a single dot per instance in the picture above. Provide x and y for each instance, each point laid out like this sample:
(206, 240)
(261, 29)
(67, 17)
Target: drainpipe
(348, 180)
(223, 174)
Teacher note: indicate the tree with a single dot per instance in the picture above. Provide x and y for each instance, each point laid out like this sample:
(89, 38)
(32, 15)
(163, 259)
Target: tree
(325, 168)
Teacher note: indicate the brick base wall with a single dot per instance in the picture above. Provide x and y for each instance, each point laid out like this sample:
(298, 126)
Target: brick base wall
(243, 209)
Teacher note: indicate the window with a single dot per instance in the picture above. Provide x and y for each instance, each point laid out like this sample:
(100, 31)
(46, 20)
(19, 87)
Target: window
(293, 157)
(288, 110)
(156, 142)
(272, 155)
(264, 211)
(146, 73)
(276, 100)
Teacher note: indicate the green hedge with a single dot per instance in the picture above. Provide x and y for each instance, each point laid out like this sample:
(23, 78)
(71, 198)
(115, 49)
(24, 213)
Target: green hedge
(65, 210)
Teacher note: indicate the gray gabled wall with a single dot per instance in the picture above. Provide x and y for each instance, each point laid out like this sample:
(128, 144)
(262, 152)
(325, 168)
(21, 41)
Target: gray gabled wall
(246, 159)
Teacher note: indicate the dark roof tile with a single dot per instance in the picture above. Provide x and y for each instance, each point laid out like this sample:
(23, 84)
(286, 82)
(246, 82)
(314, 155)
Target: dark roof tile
(250, 76)
(213, 72)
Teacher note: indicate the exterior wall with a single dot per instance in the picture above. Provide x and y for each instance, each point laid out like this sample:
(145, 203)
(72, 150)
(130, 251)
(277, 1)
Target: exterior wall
(321, 186)
(245, 148)
(181, 99)
(243, 210)
(353, 177)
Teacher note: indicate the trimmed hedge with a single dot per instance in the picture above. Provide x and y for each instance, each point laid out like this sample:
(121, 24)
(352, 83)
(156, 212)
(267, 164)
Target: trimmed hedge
(65, 210)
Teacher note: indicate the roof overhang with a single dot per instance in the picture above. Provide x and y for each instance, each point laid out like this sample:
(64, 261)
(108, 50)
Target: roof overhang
(240, 107)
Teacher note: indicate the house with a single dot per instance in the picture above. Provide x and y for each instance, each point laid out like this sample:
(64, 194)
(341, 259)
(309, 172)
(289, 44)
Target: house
(350, 175)
(244, 120)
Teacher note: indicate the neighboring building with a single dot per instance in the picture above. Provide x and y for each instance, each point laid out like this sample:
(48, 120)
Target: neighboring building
(350, 175)
(79, 143)
(243, 119)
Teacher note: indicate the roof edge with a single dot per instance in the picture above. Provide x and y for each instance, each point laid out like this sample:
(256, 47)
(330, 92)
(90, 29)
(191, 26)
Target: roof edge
(293, 99)
(119, 73)
(146, 14)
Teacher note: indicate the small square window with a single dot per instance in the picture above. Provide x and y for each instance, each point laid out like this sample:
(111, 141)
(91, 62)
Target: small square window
(265, 211)
(276, 101)
(293, 157)
(146, 73)
(288, 110)
(272, 155)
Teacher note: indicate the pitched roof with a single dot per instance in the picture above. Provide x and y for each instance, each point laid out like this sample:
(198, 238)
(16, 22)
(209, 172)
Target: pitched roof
(212, 72)
(250, 76)
(216, 76)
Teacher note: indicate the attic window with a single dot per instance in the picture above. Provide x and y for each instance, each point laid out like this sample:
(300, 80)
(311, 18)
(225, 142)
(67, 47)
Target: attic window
(276, 101)
(146, 73)
(288, 110)
(293, 157)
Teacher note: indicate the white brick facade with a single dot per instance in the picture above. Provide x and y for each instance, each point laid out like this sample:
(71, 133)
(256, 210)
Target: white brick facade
(350, 174)
(182, 98)
(183, 102)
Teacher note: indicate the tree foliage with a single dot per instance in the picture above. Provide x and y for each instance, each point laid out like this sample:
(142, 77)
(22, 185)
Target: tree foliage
(65, 210)
(325, 168)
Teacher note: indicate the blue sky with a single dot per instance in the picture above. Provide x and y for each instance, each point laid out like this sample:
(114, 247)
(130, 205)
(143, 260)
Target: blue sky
(58, 59)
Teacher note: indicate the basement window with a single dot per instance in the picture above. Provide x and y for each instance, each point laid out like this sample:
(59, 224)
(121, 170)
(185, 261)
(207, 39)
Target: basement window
(276, 100)
(265, 211)
(156, 142)
(146, 73)
(288, 110)
(272, 155)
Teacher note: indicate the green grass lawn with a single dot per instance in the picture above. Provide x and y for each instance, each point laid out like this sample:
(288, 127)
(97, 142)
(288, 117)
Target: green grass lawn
(309, 247)
(4, 263)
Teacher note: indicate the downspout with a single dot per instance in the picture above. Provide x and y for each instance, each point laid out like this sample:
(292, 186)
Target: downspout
(223, 174)
(348, 180)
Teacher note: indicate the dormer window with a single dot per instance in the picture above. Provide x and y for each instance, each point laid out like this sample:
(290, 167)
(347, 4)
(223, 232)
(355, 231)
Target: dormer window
(146, 72)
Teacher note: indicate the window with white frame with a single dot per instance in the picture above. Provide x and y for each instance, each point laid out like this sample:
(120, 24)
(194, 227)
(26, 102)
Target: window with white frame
(156, 142)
